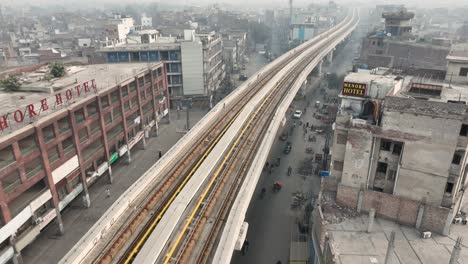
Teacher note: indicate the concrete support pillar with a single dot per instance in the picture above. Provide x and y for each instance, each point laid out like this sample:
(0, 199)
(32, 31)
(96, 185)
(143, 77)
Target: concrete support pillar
(143, 143)
(420, 216)
(370, 224)
(318, 69)
(17, 258)
(86, 200)
(129, 157)
(359, 201)
(390, 248)
(156, 129)
(456, 251)
(330, 57)
(58, 219)
(50, 181)
(448, 222)
(109, 170)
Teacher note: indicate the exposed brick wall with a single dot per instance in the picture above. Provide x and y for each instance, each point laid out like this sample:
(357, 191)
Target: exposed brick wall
(347, 196)
(434, 219)
(329, 184)
(385, 205)
(395, 208)
(408, 212)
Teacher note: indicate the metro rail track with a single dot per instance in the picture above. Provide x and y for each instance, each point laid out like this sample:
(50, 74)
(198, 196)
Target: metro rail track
(195, 233)
(250, 137)
(158, 199)
(134, 234)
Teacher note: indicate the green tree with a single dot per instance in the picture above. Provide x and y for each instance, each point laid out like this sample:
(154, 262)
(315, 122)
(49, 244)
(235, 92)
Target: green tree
(10, 84)
(57, 69)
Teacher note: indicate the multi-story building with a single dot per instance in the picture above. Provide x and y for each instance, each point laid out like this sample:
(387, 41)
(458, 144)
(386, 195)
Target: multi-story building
(53, 148)
(303, 26)
(194, 64)
(457, 64)
(405, 137)
(391, 47)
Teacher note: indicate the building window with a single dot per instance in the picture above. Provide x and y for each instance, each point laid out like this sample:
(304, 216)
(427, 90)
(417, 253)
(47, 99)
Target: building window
(11, 181)
(6, 157)
(79, 116)
(338, 165)
(463, 72)
(104, 102)
(382, 167)
(449, 188)
(385, 145)
(63, 125)
(124, 91)
(456, 159)
(49, 133)
(27, 145)
(397, 147)
(341, 139)
(464, 130)
(68, 145)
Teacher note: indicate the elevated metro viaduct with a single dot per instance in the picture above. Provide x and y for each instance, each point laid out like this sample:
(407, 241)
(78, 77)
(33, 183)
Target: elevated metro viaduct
(160, 241)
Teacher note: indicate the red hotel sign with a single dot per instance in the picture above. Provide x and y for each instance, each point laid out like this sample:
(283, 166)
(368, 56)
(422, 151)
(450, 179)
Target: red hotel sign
(354, 89)
(59, 99)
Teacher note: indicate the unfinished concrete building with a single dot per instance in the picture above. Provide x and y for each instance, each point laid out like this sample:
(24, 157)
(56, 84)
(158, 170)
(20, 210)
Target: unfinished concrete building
(400, 143)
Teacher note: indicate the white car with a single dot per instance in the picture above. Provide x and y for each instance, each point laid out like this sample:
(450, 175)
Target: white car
(297, 114)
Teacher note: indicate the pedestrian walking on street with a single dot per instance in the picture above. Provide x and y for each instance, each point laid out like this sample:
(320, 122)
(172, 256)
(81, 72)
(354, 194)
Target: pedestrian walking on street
(107, 192)
(307, 124)
(289, 170)
(278, 161)
(159, 154)
(245, 247)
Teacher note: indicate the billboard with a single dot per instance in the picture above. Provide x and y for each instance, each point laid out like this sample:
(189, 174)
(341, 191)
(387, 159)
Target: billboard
(354, 89)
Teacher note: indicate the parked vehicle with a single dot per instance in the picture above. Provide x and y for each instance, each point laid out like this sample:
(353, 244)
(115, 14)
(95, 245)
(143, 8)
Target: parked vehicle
(297, 114)
(287, 148)
(243, 77)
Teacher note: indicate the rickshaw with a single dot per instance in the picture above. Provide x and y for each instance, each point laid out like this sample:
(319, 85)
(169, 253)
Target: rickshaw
(277, 185)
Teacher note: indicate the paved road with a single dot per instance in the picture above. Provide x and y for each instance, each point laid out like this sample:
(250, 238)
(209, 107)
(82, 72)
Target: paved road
(271, 221)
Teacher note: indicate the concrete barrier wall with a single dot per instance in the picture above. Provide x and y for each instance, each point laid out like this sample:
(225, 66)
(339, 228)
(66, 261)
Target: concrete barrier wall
(401, 210)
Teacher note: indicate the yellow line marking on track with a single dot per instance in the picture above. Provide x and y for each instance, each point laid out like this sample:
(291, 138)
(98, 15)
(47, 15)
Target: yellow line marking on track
(145, 236)
(215, 176)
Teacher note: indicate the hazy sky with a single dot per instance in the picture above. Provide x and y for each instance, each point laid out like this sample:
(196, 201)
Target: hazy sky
(256, 3)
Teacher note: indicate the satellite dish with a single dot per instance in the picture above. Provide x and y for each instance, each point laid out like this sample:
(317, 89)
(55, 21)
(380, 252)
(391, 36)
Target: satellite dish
(389, 34)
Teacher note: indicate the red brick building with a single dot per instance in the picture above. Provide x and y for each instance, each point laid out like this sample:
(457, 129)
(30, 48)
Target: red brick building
(53, 157)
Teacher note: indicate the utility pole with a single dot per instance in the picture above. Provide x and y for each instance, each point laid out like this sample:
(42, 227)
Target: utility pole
(390, 248)
(456, 251)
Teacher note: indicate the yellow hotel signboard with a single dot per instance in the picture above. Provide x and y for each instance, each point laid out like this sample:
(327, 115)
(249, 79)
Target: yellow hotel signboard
(354, 89)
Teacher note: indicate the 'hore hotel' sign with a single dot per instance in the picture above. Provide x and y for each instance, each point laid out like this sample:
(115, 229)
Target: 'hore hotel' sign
(31, 112)
(354, 89)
